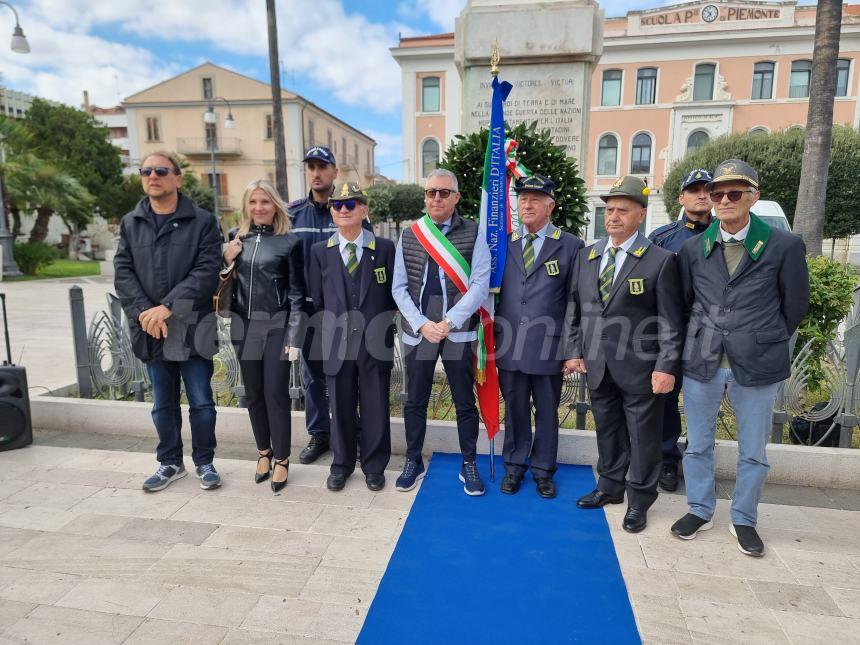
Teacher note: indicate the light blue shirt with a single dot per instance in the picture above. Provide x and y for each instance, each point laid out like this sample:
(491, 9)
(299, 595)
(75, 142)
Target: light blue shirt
(620, 255)
(344, 253)
(537, 243)
(459, 314)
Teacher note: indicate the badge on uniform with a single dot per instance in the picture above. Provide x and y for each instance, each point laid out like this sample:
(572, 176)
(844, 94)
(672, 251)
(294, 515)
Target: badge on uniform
(380, 275)
(551, 267)
(637, 286)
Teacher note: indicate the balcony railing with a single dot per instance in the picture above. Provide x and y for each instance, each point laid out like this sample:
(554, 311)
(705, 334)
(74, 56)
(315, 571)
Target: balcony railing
(199, 146)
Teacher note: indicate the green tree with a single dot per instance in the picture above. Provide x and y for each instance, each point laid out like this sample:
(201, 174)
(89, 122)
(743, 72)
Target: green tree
(465, 158)
(777, 158)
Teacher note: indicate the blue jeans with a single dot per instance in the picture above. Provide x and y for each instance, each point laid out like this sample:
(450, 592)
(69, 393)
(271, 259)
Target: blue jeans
(196, 374)
(754, 409)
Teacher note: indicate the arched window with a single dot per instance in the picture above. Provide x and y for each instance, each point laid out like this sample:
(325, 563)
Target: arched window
(697, 139)
(762, 87)
(607, 155)
(759, 130)
(703, 82)
(801, 71)
(430, 94)
(429, 156)
(640, 159)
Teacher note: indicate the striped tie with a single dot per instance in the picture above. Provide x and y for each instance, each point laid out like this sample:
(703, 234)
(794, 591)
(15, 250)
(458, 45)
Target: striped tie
(529, 251)
(352, 260)
(607, 275)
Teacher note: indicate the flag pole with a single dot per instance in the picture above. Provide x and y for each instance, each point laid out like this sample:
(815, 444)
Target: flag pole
(495, 58)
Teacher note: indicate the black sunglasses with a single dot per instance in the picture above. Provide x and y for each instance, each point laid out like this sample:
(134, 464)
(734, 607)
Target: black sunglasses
(444, 193)
(733, 195)
(160, 171)
(349, 203)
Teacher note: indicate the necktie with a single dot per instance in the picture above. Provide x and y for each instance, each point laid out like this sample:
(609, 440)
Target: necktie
(431, 298)
(607, 275)
(352, 260)
(529, 251)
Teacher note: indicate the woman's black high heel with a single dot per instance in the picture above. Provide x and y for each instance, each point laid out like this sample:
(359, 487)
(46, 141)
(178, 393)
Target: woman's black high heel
(279, 486)
(261, 477)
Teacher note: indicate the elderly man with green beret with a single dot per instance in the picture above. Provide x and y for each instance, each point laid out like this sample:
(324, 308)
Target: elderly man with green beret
(624, 332)
(746, 289)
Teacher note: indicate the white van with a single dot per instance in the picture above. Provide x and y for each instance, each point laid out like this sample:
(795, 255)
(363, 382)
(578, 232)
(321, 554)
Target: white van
(771, 213)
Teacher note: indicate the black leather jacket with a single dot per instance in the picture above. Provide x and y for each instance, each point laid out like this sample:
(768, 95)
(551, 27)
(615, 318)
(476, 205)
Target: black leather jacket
(270, 278)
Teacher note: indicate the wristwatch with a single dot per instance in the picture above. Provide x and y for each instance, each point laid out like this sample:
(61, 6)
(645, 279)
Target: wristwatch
(448, 322)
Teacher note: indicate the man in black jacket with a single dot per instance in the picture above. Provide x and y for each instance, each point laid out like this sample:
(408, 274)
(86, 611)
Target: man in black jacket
(746, 290)
(351, 290)
(166, 270)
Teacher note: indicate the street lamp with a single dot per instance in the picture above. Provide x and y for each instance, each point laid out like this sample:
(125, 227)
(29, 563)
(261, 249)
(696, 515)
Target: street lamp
(210, 118)
(10, 267)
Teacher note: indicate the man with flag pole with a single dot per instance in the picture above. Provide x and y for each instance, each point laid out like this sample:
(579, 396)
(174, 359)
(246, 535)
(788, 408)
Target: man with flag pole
(440, 281)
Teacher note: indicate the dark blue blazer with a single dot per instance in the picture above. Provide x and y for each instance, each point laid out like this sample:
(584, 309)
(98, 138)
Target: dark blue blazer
(529, 320)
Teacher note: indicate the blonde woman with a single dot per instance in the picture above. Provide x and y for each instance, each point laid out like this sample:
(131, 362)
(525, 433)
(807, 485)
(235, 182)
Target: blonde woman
(267, 321)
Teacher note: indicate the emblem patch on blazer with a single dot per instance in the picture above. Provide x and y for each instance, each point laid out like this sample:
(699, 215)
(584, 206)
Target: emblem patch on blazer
(381, 277)
(638, 252)
(593, 254)
(637, 286)
(551, 267)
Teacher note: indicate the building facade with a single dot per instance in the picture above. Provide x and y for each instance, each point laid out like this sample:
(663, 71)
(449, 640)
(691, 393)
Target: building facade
(670, 79)
(170, 116)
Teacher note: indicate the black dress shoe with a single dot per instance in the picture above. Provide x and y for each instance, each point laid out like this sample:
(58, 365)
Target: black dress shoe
(749, 543)
(375, 481)
(335, 482)
(635, 519)
(669, 478)
(597, 499)
(511, 483)
(317, 447)
(545, 487)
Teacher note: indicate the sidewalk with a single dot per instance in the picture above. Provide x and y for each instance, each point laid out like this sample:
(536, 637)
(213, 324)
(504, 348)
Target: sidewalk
(86, 556)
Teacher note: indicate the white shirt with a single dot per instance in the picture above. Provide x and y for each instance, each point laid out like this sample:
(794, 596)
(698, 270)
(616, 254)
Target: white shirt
(620, 255)
(344, 252)
(740, 236)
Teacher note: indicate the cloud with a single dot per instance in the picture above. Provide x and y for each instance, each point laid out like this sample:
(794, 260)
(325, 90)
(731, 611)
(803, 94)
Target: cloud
(440, 12)
(388, 146)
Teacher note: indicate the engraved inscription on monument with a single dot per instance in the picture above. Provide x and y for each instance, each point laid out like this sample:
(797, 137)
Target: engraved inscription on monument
(551, 94)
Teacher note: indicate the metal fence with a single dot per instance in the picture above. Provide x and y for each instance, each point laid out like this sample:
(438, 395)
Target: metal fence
(824, 415)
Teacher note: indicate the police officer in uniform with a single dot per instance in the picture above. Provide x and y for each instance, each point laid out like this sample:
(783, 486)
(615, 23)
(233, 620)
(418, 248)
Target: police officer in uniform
(625, 332)
(695, 217)
(528, 325)
(351, 286)
(746, 290)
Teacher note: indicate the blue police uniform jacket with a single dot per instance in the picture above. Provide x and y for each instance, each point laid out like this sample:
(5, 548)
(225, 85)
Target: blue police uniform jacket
(312, 223)
(672, 236)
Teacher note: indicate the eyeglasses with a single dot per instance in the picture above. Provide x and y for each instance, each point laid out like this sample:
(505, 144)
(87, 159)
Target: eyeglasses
(444, 193)
(160, 171)
(733, 195)
(349, 203)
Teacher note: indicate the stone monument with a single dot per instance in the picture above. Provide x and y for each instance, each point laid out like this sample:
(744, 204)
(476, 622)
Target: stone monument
(548, 51)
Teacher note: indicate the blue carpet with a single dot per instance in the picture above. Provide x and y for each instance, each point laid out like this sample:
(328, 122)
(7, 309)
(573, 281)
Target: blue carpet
(501, 568)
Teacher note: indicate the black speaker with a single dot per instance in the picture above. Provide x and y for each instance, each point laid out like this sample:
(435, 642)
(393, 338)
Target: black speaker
(16, 429)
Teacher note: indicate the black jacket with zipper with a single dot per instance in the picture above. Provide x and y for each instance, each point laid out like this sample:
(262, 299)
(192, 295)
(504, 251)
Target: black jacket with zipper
(270, 278)
(175, 266)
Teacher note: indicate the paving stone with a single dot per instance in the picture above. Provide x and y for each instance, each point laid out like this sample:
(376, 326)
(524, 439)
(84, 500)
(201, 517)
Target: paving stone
(848, 600)
(644, 581)
(280, 614)
(816, 568)
(95, 524)
(152, 631)
(266, 514)
(300, 544)
(40, 587)
(722, 623)
(63, 625)
(133, 503)
(848, 500)
(11, 611)
(237, 569)
(371, 524)
(221, 608)
(341, 585)
(114, 597)
(13, 538)
(100, 478)
(784, 494)
(241, 537)
(8, 487)
(59, 496)
(8, 575)
(394, 501)
(250, 637)
(841, 542)
(795, 598)
(165, 531)
(338, 622)
(730, 591)
(358, 553)
(810, 629)
(659, 619)
(36, 518)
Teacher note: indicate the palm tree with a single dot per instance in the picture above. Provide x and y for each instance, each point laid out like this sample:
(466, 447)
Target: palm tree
(812, 192)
